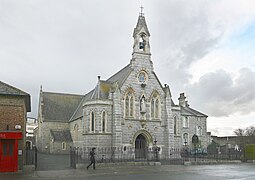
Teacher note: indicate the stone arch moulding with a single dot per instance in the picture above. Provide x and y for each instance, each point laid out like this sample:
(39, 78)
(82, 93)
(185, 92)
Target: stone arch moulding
(145, 133)
(127, 90)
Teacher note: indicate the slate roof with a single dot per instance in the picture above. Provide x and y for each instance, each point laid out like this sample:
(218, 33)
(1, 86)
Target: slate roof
(61, 135)
(120, 76)
(187, 111)
(58, 106)
(6, 89)
(102, 89)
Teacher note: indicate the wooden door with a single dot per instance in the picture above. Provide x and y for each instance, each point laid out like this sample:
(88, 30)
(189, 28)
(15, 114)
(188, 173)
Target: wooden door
(8, 155)
(140, 147)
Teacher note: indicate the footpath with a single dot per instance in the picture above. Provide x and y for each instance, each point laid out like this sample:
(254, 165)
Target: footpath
(99, 171)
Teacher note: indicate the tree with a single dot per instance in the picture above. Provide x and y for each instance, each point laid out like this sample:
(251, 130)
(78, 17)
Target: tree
(239, 132)
(249, 131)
(245, 136)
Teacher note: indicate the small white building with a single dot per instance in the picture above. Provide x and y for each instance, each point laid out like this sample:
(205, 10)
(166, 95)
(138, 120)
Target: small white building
(31, 125)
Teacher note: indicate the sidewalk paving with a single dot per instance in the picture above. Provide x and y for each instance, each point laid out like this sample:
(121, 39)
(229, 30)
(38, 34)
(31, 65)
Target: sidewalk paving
(99, 171)
(106, 172)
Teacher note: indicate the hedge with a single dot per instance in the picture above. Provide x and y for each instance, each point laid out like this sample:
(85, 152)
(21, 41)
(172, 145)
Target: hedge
(250, 152)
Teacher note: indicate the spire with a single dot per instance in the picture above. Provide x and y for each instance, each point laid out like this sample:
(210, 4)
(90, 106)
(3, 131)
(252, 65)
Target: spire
(141, 35)
(141, 23)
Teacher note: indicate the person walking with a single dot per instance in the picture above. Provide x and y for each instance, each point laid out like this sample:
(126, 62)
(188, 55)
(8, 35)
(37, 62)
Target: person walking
(92, 158)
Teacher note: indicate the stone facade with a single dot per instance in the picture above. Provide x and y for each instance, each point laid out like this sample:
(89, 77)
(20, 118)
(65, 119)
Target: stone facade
(132, 109)
(54, 111)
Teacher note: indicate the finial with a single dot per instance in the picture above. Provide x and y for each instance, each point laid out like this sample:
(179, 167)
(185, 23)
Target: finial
(141, 13)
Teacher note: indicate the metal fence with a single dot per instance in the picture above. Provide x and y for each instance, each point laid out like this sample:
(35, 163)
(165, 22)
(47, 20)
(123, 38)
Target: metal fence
(31, 157)
(180, 156)
(130, 154)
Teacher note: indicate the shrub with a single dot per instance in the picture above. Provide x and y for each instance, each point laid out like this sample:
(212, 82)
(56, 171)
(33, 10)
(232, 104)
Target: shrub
(249, 152)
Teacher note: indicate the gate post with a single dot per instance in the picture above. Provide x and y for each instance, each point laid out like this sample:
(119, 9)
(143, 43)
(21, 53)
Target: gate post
(35, 151)
(72, 157)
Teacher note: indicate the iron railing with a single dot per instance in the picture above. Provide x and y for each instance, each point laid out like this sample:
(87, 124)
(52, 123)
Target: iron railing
(130, 154)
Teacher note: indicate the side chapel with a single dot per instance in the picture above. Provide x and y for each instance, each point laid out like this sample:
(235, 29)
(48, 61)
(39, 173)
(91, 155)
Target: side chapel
(131, 109)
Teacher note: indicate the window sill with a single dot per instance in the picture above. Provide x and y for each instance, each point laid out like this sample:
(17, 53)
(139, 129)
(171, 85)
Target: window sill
(100, 133)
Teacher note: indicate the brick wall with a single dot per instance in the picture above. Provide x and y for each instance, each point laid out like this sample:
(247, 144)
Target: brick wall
(13, 112)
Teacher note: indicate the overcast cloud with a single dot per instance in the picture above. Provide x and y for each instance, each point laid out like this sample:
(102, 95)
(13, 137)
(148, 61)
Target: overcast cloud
(203, 48)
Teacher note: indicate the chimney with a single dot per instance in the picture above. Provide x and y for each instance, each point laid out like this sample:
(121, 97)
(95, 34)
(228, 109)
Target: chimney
(182, 101)
(186, 104)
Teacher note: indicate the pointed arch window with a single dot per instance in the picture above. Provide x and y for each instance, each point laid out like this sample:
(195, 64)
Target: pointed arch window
(129, 104)
(76, 129)
(199, 131)
(185, 139)
(104, 122)
(175, 125)
(92, 122)
(185, 122)
(84, 123)
(155, 106)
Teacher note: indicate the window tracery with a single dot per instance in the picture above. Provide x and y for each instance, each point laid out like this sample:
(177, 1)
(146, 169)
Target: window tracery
(129, 104)
(155, 106)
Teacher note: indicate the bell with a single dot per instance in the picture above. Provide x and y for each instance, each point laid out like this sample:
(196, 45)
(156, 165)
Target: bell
(141, 45)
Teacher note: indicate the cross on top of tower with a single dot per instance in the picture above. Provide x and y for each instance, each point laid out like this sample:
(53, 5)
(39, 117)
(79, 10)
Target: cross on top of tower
(141, 12)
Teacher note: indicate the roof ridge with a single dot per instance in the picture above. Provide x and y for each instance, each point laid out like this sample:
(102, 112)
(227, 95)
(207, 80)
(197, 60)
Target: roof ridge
(58, 93)
(77, 108)
(191, 109)
(118, 72)
(14, 88)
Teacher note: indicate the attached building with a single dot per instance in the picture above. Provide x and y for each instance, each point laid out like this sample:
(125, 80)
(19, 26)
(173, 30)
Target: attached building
(14, 105)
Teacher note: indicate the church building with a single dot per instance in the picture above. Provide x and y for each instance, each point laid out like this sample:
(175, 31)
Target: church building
(129, 110)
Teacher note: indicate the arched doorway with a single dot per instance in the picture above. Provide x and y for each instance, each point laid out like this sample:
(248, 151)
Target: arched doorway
(140, 147)
(28, 145)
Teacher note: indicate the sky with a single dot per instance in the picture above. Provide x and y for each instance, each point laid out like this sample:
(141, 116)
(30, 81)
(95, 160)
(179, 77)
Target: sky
(203, 48)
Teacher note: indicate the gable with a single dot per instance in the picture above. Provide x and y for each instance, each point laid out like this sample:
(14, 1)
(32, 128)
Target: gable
(6, 89)
(58, 106)
(151, 85)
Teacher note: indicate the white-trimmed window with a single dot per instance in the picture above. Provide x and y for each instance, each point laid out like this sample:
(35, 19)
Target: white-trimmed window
(129, 104)
(199, 130)
(104, 122)
(155, 106)
(185, 122)
(63, 145)
(185, 139)
(92, 122)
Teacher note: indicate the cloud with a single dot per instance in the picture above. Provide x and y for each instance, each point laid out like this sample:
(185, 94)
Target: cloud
(221, 94)
(64, 45)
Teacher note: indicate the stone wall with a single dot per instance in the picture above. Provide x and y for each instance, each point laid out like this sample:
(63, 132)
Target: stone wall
(44, 141)
(194, 122)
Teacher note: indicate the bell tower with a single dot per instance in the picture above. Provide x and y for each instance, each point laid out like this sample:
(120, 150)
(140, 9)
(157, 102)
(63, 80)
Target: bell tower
(141, 37)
